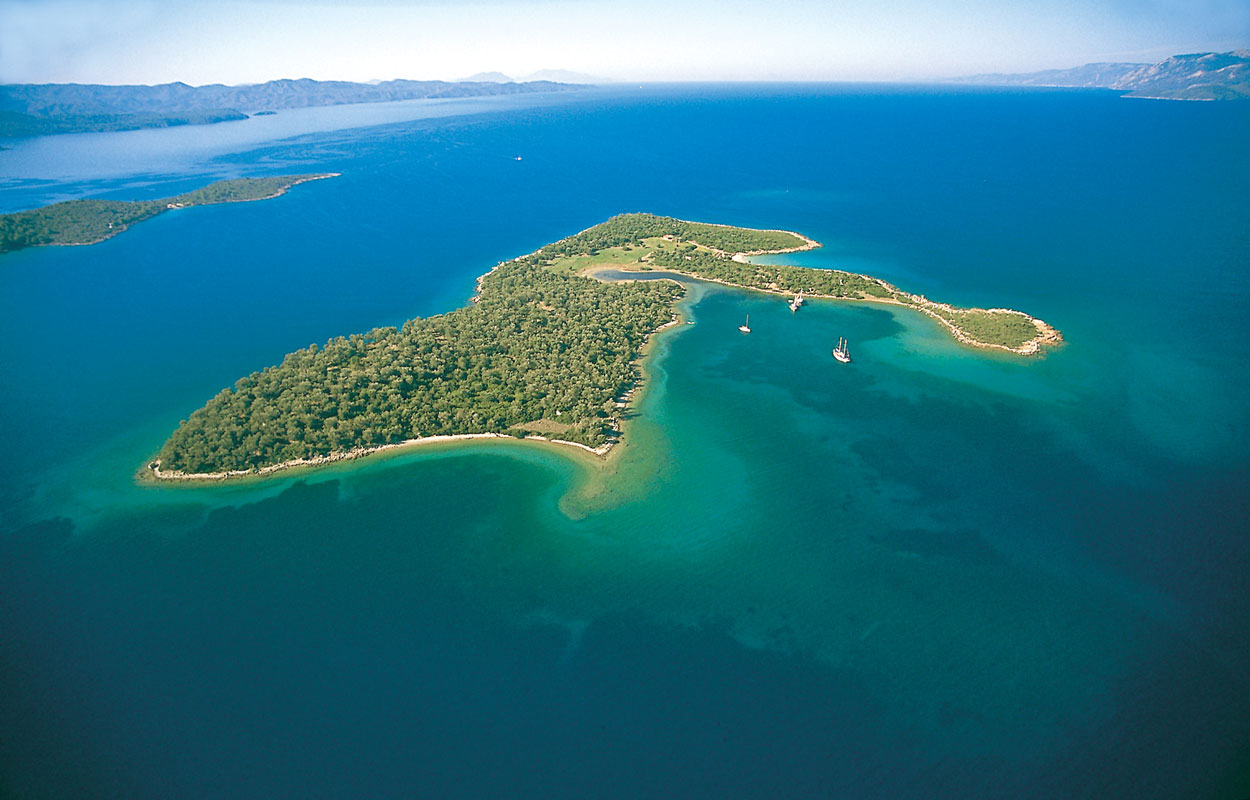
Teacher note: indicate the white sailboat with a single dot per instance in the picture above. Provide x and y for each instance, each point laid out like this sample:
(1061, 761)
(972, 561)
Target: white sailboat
(796, 302)
(841, 352)
(746, 326)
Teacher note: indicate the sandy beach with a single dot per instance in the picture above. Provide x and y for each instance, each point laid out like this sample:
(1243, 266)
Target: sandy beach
(154, 470)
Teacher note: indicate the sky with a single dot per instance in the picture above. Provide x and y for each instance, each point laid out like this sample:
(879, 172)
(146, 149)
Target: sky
(251, 41)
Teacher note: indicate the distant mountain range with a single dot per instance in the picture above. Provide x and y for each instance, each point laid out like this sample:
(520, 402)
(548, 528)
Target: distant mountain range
(1196, 76)
(37, 109)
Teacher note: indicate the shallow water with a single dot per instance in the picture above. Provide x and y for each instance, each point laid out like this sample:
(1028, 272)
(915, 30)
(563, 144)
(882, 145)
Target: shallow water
(931, 572)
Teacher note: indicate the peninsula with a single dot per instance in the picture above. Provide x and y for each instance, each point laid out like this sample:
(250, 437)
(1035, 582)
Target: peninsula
(89, 221)
(544, 351)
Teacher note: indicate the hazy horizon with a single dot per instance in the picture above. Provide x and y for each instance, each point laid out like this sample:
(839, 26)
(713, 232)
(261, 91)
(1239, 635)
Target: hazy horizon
(255, 41)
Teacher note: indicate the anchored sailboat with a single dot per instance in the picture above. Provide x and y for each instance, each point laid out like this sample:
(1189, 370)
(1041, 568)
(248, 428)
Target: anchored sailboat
(841, 352)
(746, 326)
(796, 302)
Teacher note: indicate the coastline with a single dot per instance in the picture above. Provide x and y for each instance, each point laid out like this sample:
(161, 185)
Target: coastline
(154, 472)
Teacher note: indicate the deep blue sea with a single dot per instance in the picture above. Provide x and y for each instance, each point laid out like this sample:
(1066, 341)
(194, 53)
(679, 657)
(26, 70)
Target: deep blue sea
(934, 572)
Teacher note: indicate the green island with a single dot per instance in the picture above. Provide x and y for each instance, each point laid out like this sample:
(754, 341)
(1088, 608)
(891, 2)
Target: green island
(78, 222)
(544, 351)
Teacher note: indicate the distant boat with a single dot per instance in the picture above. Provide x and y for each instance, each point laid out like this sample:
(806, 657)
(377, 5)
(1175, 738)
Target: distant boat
(841, 352)
(518, 158)
(796, 302)
(746, 327)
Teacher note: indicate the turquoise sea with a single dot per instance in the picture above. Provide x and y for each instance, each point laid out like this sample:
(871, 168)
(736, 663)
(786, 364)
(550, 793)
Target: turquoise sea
(934, 572)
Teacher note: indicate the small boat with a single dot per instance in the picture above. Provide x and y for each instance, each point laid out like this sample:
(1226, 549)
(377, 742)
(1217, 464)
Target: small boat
(746, 327)
(796, 302)
(841, 353)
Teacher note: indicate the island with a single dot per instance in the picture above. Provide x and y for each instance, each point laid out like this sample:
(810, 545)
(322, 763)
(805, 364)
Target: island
(544, 351)
(88, 221)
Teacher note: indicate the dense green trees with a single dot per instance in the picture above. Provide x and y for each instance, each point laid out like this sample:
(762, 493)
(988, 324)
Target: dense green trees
(537, 346)
(627, 229)
(88, 221)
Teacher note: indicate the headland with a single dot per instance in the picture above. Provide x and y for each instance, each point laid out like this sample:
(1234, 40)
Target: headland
(90, 221)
